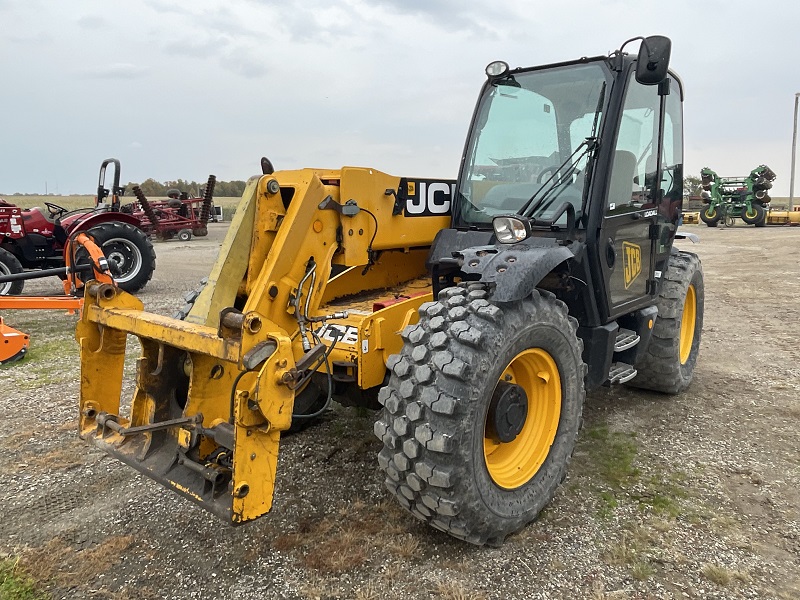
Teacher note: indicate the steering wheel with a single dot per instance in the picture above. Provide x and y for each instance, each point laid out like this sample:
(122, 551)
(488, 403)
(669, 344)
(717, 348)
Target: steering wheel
(55, 210)
(550, 171)
(546, 173)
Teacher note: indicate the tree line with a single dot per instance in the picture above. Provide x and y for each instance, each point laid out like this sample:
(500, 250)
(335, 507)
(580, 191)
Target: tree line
(692, 186)
(222, 189)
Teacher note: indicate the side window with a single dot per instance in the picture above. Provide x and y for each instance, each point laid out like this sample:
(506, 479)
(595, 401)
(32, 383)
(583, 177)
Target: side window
(634, 155)
(672, 152)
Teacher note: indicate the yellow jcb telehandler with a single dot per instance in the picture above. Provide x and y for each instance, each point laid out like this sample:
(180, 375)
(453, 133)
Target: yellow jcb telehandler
(476, 313)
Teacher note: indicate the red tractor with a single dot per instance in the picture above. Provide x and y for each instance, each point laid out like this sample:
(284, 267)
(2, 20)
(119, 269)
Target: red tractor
(36, 239)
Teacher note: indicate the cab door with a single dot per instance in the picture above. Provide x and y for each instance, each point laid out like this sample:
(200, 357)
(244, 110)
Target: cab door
(627, 247)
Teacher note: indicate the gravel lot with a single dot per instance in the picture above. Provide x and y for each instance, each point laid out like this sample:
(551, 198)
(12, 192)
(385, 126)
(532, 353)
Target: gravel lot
(691, 496)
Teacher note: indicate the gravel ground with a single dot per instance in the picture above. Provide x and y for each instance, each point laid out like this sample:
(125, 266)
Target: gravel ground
(690, 496)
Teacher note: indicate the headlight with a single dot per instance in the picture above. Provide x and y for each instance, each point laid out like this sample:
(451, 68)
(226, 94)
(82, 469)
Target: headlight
(510, 230)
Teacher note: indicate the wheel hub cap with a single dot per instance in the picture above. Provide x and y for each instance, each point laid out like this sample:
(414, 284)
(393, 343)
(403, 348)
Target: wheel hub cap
(507, 412)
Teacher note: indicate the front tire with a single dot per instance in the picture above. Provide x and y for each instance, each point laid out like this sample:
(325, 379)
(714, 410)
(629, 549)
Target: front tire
(449, 455)
(668, 365)
(129, 252)
(755, 215)
(9, 265)
(711, 215)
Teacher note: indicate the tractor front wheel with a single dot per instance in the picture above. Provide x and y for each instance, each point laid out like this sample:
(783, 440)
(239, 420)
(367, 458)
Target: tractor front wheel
(482, 411)
(9, 265)
(711, 215)
(755, 214)
(129, 252)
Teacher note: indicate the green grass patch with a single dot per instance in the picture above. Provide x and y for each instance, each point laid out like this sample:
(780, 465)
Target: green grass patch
(41, 323)
(608, 502)
(15, 584)
(613, 454)
(611, 465)
(38, 362)
(663, 493)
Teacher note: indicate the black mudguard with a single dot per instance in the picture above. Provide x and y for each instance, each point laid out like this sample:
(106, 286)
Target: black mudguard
(515, 269)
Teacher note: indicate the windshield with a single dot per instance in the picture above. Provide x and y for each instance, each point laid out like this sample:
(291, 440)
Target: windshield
(524, 150)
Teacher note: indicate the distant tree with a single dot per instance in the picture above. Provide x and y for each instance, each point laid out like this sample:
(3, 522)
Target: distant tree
(155, 189)
(692, 186)
(151, 187)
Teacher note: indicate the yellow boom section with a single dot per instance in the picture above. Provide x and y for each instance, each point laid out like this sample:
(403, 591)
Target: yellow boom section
(213, 392)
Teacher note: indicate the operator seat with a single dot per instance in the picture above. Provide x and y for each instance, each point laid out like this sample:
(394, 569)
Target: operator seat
(623, 170)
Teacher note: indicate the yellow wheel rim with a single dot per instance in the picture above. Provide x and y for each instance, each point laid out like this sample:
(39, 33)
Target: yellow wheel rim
(512, 464)
(688, 324)
(751, 213)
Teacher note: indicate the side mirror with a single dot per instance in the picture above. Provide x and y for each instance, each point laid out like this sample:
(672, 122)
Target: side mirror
(653, 60)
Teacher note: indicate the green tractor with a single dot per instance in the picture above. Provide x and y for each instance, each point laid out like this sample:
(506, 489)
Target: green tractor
(728, 198)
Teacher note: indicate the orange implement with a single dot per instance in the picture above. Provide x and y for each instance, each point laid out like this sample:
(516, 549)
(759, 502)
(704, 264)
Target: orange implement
(13, 343)
(69, 303)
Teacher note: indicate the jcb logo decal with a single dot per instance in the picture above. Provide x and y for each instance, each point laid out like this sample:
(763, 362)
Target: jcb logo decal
(429, 197)
(344, 334)
(632, 262)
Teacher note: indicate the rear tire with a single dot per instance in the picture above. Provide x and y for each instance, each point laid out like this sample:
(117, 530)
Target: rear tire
(310, 401)
(129, 251)
(185, 235)
(9, 265)
(668, 365)
(711, 215)
(756, 215)
(444, 461)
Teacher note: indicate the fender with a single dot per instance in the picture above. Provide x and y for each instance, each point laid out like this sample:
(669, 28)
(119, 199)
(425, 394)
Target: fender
(516, 269)
(86, 222)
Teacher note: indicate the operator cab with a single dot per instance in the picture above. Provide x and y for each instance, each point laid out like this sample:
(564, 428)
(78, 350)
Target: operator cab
(571, 181)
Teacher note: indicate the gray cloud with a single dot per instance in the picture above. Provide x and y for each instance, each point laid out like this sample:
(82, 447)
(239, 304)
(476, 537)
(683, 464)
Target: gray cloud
(166, 6)
(113, 71)
(92, 22)
(197, 48)
(451, 15)
(244, 64)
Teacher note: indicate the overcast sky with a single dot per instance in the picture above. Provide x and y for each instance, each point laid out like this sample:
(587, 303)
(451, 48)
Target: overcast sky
(182, 89)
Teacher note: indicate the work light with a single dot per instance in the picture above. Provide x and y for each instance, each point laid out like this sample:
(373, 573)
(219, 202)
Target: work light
(497, 68)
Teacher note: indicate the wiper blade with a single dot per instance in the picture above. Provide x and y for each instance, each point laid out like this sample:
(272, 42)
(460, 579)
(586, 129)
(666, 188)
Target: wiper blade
(558, 178)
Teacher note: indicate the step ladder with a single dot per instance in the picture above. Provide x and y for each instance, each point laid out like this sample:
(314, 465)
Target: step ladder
(621, 372)
(625, 339)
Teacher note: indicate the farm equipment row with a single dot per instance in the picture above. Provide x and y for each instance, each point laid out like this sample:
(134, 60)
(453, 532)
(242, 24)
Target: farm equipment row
(177, 216)
(728, 198)
(37, 239)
